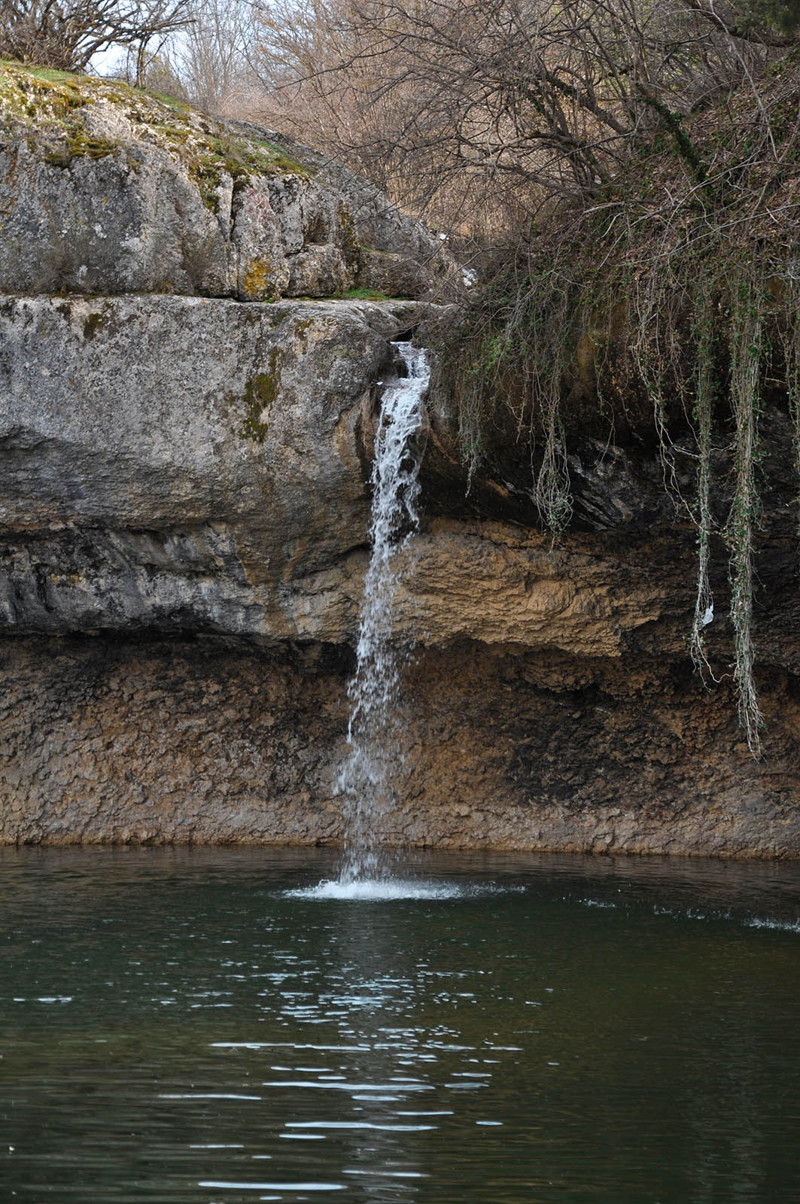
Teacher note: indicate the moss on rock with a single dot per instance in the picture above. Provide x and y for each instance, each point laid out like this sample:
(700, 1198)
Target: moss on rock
(260, 393)
(60, 106)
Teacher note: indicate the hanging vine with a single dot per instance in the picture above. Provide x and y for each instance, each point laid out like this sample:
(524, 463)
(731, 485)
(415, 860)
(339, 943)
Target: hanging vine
(747, 349)
(657, 313)
(791, 353)
(548, 365)
(694, 337)
(510, 358)
(703, 413)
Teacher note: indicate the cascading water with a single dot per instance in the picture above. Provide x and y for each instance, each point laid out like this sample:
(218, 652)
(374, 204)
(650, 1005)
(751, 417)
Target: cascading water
(366, 778)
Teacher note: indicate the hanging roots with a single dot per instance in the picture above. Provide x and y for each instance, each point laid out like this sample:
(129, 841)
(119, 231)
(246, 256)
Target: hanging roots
(696, 346)
(747, 338)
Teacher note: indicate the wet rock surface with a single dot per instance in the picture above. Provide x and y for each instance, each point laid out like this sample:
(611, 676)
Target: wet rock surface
(211, 740)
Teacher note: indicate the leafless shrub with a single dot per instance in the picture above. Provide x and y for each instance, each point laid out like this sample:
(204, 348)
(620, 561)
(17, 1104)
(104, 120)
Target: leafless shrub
(459, 107)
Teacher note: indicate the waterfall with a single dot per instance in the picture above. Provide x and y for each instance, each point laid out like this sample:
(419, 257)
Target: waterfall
(372, 735)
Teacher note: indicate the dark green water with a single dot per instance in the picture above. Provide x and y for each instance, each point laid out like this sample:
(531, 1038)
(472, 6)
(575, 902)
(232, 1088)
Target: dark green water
(175, 1028)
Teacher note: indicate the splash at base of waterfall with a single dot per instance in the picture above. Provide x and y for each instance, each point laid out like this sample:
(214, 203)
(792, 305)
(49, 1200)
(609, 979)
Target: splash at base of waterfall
(387, 889)
(366, 780)
(377, 890)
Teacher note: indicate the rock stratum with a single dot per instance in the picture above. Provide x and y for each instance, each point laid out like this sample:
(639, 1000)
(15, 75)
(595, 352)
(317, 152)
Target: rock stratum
(105, 189)
(184, 509)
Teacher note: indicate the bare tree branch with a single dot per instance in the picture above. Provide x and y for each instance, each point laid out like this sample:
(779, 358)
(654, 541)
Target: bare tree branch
(65, 34)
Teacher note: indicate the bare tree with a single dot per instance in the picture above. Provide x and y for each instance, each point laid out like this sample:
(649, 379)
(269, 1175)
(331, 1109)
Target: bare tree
(65, 34)
(518, 101)
(212, 58)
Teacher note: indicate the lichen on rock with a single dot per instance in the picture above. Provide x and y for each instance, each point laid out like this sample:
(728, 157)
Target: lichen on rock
(108, 189)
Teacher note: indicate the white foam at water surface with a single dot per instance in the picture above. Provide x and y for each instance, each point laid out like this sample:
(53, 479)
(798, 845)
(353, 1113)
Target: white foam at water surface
(776, 925)
(378, 890)
(390, 890)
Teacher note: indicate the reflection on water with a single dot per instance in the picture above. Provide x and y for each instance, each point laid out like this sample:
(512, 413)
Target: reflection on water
(216, 1026)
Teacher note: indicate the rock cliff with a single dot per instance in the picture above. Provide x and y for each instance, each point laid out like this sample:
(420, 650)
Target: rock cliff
(184, 505)
(104, 189)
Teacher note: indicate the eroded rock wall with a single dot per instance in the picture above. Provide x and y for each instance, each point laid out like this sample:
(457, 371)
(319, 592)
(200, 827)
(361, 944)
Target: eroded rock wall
(211, 740)
(184, 503)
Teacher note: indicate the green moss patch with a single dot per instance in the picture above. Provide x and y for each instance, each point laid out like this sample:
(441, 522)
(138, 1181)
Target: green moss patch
(259, 397)
(47, 74)
(93, 323)
(47, 107)
(35, 94)
(365, 294)
(218, 155)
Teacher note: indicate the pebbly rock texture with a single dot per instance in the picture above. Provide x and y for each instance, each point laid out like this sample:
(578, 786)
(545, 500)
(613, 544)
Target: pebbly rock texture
(104, 189)
(208, 739)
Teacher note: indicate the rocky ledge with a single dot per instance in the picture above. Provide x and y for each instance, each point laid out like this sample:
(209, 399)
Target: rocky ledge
(106, 189)
(184, 504)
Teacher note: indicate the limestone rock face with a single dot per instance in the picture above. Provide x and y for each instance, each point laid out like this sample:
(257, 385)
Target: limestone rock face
(177, 464)
(186, 464)
(184, 509)
(107, 190)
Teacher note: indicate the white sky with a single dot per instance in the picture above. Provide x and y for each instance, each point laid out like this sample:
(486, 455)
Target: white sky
(108, 60)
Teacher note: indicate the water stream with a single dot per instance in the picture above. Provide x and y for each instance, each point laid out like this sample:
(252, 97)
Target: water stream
(373, 738)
